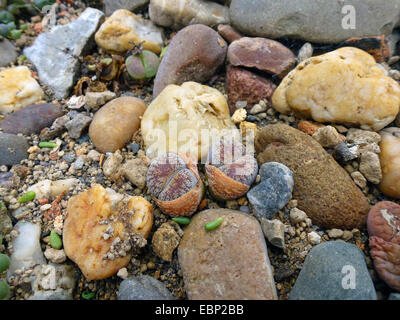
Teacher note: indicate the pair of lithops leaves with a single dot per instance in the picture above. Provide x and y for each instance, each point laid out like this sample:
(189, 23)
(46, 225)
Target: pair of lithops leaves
(174, 181)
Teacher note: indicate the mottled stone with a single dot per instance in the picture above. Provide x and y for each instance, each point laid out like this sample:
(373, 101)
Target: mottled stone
(143, 288)
(31, 119)
(274, 231)
(165, 240)
(125, 29)
(334, 270)
(13, 149)
(55, 53)
(194, 54)
(244, 85)
(342, 86)
(263, 54)
(210, 264)
(370, 167)
(193, 109)
(18, 89)
(315, 21)
(274, 191)
(324, 190)
(135, 171)
(77, 125)
(181, 13)
(390, 162)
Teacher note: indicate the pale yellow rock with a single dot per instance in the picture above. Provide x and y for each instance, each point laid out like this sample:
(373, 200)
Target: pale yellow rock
(124, 29)
(18, 89)
(187, 119)
(343, 86)
(390, 162)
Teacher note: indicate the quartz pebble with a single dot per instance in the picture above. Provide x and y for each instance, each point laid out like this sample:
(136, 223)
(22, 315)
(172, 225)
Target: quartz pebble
(18, 89)
(347, 74)
(124, 29)
(314, 238)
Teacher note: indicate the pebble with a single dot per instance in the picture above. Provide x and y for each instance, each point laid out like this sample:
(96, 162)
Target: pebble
(166, 239)
(143, 288)
(170, 110)
(359, 179)
(313, 22)
(135, 171)
(194, 54)
(54, 282)
(93, 155)
(246, 86)
(305, 52)
(297, 216)
(8, 52)
(115, 123)
(14, 149)
(26, 247)
(343, 93)
(389, 160)
(239, 116)
(55, 53)
(328, 137)
(178, 14)
(77, 125)
(52, 189)
(123, 273)
(370, 167)
(125, 29)
(94, 100)
(274, 190)
(208, 274)
(263, 54)
(112, 166)
(341, 204)
(334, 270)
(362, 137)
(259, 108)
(55, 256)
(344, 153)
(79, 163)
(335, 233)
(102, 228)
(31, 119)
(18, 89)
(228, 33)
(314, 238)
(274, 231)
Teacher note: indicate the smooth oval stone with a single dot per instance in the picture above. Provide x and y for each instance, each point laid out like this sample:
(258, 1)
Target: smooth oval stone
(315, 21)
(384, 221)
(194, 54)
(143, 288)
(230, 262)
(31, 119)
(13, 149)
(334, 270)
(115, 123)
(323, 189)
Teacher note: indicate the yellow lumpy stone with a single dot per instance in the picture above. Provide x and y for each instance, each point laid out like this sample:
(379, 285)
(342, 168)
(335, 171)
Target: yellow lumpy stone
(123, 29)
(390, 162)
(343, 86)
(186, 119)
(18, 89)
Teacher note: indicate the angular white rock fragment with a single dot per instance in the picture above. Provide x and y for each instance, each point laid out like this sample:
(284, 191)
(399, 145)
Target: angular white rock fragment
(27, 251)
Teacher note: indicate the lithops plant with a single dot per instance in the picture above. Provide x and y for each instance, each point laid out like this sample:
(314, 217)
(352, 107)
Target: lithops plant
(142, 66)
(230, 171)
(384, 231)
(175, 184)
